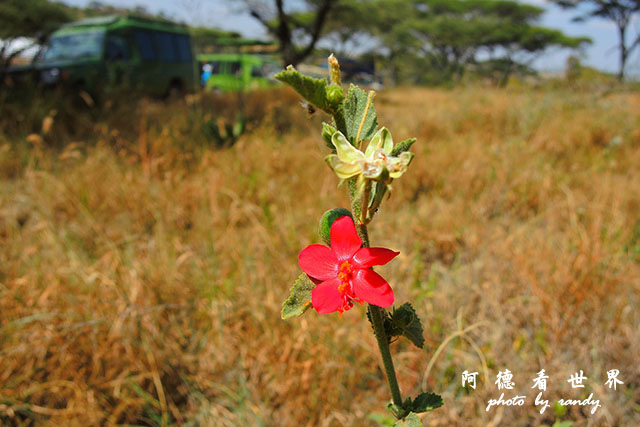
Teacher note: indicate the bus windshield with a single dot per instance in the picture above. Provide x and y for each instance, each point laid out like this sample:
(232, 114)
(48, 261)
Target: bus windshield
(84, 44)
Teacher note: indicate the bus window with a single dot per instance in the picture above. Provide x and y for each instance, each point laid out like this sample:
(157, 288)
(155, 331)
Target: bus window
(144, 41)
(257, 72)
(215, 67)
(166, 47)
(116, 49)
(81, 44)
(235, 68)
(182, 47)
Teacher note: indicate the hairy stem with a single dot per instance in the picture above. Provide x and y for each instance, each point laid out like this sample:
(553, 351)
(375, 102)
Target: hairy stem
(376, 313)
(366, 195)
(358, 208)
(377, 319)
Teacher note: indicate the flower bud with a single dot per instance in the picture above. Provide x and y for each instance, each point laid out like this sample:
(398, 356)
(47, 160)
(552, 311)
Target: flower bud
(334, 70)
(327, 221)
(335, 95)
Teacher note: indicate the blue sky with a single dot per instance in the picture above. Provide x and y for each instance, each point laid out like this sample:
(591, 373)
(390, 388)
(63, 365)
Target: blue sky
(228, 14)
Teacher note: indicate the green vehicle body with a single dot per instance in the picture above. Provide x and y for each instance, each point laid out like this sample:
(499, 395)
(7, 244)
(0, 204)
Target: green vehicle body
(101, 54)
(237, 71)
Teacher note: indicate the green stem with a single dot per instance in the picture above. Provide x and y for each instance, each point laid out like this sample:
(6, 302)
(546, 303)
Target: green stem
(366, 195)
(377, 319)
(377, 313)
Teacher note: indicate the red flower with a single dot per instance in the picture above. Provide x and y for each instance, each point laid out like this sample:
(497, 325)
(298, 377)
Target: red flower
(342, 273)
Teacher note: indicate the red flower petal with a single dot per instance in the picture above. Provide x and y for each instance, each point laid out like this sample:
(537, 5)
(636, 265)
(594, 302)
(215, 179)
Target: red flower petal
(368, 257)
(326, 298)
(371, 287)
(344, 239)
(319, 262)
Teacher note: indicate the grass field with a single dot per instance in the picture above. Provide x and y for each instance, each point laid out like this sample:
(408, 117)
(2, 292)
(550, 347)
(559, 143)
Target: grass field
(142, 269)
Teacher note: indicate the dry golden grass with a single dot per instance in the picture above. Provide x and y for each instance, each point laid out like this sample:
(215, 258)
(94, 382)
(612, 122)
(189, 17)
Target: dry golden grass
(141, 273)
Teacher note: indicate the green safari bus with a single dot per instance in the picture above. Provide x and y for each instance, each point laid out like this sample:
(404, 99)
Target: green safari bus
(96, 54)
(237, 71)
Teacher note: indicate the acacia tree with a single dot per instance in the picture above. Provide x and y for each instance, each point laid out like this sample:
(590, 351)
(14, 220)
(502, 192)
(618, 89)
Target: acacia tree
(289, 25)
(451, 33)
(34, 19)
(620, 12)
(438, 40)
(522, 44)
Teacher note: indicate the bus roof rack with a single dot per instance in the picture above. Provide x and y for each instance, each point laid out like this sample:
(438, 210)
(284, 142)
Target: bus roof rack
(112, 19)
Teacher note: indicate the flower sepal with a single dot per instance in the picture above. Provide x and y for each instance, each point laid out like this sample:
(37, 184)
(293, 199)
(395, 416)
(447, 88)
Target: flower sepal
(327, 134)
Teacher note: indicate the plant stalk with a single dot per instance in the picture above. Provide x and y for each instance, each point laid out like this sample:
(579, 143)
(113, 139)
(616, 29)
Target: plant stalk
(377, 320)
(376, 313)
(366, 195)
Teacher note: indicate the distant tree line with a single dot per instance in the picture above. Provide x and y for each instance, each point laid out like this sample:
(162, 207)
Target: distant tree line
(437, 40)
(417, 41)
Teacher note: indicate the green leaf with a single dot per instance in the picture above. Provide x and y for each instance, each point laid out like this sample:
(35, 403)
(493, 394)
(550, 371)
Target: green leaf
(404, 321)
(411, 420)
(426, 402)
(413, 330)
(311, 89)
(381, 419)
(353, 110)
(327, 220)
(299, 299)
(403, 146)
(559, 410)
(339, 121)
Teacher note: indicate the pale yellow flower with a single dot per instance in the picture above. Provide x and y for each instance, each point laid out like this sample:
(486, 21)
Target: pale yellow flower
(376, 163)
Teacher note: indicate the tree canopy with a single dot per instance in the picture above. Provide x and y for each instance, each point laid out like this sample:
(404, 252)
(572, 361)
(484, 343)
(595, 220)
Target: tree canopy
(620, 12)
(34, 19)
(415, 41)
(290, 25)
(447, 37)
